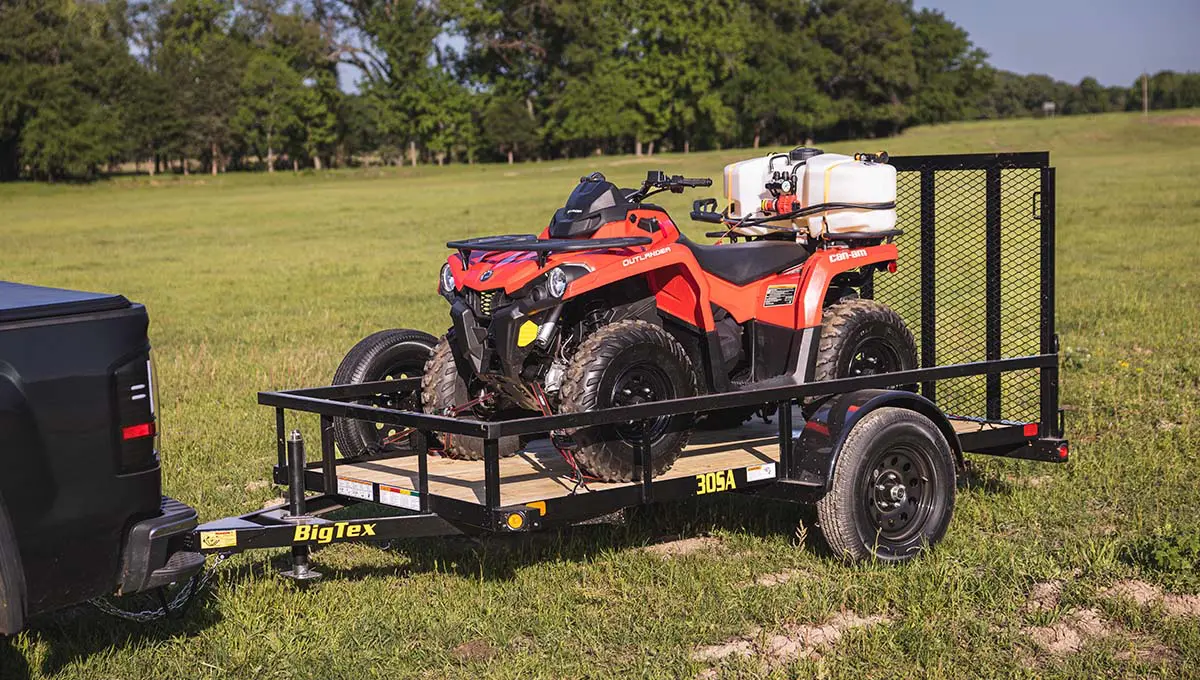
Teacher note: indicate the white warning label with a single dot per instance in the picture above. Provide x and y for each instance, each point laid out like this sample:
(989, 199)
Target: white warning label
(401, 498)
(355, 488)
(756, 472)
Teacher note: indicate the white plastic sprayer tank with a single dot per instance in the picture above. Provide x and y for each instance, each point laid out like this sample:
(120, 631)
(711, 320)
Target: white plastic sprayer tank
(836, 179)
(817, 178)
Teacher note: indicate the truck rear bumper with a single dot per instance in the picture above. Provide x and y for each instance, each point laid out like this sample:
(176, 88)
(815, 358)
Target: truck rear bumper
(155, 551)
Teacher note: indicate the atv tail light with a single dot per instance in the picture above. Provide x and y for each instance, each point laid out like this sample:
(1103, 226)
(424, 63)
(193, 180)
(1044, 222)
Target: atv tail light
(1031, 429)
(891, 267)
(137, 431)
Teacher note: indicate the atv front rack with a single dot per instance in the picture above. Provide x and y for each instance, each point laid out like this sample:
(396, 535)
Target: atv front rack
(542, 246)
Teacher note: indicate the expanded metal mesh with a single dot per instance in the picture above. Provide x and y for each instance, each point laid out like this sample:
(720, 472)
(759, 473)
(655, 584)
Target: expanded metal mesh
(969, 283)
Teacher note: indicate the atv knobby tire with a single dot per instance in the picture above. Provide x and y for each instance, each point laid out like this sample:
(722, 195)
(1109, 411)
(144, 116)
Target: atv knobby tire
(892, 491)
(620, 364)
(863, 337)
(386, 355)
(443, 390)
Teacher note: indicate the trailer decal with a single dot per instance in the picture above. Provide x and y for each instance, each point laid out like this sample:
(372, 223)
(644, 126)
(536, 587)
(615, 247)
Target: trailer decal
(210, 540)
(401, 498)
(311, 533)
(713, 482)
(756, 472)
(355, 488)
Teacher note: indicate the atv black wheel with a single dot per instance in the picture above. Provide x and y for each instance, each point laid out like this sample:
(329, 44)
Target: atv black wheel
(863, 337)
(892, 492)
(386, 355)
(443, 391)
(621, 364)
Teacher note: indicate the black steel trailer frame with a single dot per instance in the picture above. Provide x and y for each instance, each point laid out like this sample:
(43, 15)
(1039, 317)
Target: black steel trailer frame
(985, 392)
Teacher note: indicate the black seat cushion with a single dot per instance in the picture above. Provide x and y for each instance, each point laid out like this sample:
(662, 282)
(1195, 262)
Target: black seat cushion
(742, 263)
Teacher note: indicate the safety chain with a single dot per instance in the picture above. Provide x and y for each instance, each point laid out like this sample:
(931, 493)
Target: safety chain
(193, 587)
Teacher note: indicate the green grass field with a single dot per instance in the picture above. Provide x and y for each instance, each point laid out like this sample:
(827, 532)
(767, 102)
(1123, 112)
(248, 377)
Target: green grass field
(262, 282)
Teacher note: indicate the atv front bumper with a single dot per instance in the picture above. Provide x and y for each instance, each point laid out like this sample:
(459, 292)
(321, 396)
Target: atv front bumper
(488, 347)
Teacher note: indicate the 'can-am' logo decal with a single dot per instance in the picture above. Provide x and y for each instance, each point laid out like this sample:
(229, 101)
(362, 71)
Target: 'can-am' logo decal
(645, 256)
(838, 257)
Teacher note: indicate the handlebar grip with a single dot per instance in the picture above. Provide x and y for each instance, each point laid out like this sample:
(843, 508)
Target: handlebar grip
(696, 182)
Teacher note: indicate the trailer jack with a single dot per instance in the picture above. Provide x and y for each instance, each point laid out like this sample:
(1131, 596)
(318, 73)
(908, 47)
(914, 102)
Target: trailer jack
(300, 571)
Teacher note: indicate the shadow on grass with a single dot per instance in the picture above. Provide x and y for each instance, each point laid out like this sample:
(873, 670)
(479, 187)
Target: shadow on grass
(79, 632)
(83, 631)
(500, 556)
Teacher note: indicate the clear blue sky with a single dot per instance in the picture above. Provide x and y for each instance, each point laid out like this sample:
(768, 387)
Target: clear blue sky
(1112, 40)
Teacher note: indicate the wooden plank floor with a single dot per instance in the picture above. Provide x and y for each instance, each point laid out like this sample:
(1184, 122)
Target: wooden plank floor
(538, 472)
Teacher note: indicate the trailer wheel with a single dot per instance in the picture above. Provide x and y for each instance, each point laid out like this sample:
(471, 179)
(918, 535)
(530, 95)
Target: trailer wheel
(621, 364)
(863, 337)
(443, 390)
(386, 355)
(892, 491)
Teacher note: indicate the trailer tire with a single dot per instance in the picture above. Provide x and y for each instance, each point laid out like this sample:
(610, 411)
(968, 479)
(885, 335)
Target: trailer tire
(891, 494)
(863, 337)
(608, 367)
(442, 389)
(386, 355)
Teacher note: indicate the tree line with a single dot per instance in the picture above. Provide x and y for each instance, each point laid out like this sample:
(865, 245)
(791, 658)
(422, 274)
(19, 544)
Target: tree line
(214, 85)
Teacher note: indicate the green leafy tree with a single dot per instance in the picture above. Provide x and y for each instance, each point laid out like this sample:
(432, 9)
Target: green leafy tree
(952, 73)
(270, 105)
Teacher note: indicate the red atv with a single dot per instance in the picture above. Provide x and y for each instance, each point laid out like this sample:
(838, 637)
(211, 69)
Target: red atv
(612, 305)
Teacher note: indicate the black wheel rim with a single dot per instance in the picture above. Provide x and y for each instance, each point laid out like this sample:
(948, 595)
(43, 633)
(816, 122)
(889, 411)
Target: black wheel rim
(898, 493)
(638, 384)
(872, 356)
(383, 437)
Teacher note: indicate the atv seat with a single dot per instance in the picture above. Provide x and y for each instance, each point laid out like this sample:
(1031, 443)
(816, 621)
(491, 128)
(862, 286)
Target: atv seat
(743, 263)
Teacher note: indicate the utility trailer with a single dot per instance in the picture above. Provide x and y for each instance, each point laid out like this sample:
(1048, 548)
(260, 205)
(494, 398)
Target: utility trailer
(977, 287)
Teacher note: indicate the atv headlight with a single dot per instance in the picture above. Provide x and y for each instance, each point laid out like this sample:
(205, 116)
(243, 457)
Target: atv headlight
(446, 281)
(556, 283)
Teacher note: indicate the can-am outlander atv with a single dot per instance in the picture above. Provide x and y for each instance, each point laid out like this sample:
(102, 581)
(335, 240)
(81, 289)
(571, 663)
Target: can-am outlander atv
(611, 305)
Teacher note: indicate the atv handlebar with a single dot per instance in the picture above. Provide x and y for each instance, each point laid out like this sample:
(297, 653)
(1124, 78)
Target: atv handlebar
(657, 180)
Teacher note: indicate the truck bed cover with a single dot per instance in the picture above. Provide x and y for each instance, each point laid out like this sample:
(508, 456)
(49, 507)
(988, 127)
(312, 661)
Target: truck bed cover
(21, 302)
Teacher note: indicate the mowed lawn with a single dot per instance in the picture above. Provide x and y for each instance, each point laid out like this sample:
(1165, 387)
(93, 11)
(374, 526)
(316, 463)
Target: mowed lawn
(263, 282)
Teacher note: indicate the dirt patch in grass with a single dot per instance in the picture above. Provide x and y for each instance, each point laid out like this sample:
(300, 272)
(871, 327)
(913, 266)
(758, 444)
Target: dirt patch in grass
(679, 547)
(778, 578)
(1145, 594)
(474, 650)
(1178, 121)
(792, 642)
(1044, 596)
(1069, 635)
(1147, 652)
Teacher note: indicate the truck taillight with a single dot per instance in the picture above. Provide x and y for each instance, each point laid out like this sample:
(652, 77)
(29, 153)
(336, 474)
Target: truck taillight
(136, 403)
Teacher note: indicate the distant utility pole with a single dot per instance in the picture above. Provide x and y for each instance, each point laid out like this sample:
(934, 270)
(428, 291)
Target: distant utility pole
(1145, 97)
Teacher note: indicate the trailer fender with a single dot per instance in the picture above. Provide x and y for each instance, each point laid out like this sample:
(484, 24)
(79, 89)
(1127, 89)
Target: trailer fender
(820, 442)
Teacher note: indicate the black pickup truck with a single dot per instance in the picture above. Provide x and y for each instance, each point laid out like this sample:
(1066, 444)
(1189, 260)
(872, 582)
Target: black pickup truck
(81, 507)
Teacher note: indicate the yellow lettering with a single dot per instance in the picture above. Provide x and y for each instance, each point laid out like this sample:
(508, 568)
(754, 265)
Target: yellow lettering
(353, 530)
(713, 482)
(302, 531)
(341, 529)
(368, 529)
(325, 534)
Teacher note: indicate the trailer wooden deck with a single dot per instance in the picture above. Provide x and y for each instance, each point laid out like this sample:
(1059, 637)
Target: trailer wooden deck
(538, 472)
